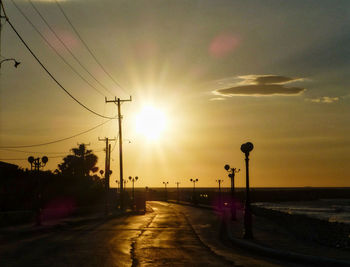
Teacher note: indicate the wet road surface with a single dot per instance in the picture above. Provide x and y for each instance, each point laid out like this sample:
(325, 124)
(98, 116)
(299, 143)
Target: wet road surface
(168, 235)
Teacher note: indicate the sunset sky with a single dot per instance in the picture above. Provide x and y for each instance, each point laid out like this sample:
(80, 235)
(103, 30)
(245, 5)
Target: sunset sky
(216, 74)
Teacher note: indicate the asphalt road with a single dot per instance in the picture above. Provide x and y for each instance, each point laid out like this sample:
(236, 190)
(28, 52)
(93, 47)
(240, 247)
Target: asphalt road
(168, 235)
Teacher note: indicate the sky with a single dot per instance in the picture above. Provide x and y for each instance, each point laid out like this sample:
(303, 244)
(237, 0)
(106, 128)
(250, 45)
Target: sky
(220, 73)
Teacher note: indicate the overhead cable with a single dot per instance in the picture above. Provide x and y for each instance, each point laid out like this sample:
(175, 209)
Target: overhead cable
(88, 49)
(39, 152)
(52, 157)
(57, 141)
(36, 152)
(66, 47)
(51, 75)
(54, 49)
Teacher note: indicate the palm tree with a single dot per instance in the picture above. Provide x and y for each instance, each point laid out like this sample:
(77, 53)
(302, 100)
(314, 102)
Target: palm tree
(81, 163)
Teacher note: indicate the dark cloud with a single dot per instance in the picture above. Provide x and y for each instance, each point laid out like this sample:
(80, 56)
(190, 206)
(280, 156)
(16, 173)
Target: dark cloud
(261, 89)
(262, 85)
(273, 79)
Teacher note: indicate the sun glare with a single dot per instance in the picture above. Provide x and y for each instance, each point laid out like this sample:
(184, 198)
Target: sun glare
(151, 123)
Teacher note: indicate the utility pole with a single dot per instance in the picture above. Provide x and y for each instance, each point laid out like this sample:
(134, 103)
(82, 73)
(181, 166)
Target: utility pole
(107, 168)
(118, 101)
(109, 161)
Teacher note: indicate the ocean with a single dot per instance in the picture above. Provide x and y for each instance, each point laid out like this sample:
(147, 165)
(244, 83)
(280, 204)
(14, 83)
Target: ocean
(331, 210)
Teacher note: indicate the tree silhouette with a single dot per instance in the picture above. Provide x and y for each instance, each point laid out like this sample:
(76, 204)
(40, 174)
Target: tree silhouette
(81, 163)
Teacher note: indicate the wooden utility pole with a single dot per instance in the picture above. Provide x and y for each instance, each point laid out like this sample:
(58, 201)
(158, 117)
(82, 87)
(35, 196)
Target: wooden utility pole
(118, 101)
(107, 171)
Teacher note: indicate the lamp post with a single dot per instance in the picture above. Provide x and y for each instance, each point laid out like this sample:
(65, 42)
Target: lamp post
(118, 191)
(10, 59)
(125, 182)
(220, 197)
(178, 192)
(38, 163)
(133, 180)
(166, 192)
(118, 186)
(246, 148)
(231, 175)
(194, 181)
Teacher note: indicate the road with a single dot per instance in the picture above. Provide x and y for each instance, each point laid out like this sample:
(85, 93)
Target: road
(168, 235)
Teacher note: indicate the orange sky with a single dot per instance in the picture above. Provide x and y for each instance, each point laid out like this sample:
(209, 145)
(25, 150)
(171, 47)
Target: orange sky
(223, 73)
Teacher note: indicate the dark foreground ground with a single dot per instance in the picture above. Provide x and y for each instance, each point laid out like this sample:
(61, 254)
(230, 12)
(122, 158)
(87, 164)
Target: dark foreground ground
(167, 235)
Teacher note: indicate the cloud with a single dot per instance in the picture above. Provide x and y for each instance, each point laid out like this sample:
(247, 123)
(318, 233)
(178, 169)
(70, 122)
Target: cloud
(262, 90)
(262, 85)
(217, 99)
(323, 99)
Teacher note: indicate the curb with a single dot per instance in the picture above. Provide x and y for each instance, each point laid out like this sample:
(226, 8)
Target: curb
(64, 223)
(275, 253)
(287, 256)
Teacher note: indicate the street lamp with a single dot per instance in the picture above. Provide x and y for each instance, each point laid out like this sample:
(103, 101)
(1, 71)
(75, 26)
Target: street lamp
(232, 172)
(125, 182)
(178, 192)
(246, 148)
(166, 192)
(220, 197)
(38, 163)
(118, 184)
(10, 59)
(194, 181)
(133, 180)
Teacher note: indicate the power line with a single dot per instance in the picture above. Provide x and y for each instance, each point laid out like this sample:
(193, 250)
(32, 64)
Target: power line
(88, 49)
(115, 143)
(27, 159)
(47, 153)
(54, 49)
(57, 141)
(39, 152)
(51, 75)
(67, 48)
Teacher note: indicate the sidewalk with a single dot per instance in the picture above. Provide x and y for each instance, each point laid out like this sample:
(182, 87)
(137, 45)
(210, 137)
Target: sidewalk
(273, 240)
(48, 226)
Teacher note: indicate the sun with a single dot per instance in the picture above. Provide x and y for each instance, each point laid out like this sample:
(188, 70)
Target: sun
(151, 122)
